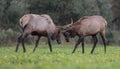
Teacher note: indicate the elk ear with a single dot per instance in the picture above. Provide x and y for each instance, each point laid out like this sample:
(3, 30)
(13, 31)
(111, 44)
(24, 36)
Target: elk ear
(71, 21)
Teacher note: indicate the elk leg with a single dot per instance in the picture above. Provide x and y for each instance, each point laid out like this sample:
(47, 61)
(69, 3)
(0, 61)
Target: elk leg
(95, 42)
(77, 43)
(18, 42)
(104, 41)
(23, 45)
(83, 45)
(36, 43)
(49, 43)
(23, 37)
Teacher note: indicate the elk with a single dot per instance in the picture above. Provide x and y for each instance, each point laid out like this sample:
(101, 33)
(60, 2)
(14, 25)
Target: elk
(86, 26)
(38, 25)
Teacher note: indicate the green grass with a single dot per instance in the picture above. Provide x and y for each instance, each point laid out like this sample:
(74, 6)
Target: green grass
(60, 58)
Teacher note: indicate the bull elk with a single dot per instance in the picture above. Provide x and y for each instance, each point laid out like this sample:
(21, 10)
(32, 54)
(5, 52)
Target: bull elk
(86, 26)
(38, 25)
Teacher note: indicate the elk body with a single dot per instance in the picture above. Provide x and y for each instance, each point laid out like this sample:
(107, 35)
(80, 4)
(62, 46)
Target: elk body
(38, 25)
(86, 26)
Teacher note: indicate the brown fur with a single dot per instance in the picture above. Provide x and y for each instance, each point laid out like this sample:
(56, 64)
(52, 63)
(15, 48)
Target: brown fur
(25, 20)
(86, 26)
(38, 25)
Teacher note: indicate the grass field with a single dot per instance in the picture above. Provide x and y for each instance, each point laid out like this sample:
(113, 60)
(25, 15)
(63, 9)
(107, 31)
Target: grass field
(60, 58)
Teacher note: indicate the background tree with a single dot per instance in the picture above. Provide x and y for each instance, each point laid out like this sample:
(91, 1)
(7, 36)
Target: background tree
(116, 12)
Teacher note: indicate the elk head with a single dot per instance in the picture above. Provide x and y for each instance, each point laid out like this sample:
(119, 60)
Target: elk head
(67, 31)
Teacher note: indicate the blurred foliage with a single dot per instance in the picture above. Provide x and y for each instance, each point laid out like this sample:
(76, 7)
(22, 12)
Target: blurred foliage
(9, 37)
(61, 12)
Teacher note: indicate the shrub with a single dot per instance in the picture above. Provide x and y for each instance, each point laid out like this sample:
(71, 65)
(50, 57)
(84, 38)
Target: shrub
(9, 37)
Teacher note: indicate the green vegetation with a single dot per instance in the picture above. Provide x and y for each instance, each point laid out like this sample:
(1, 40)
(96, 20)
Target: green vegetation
(60, 58)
